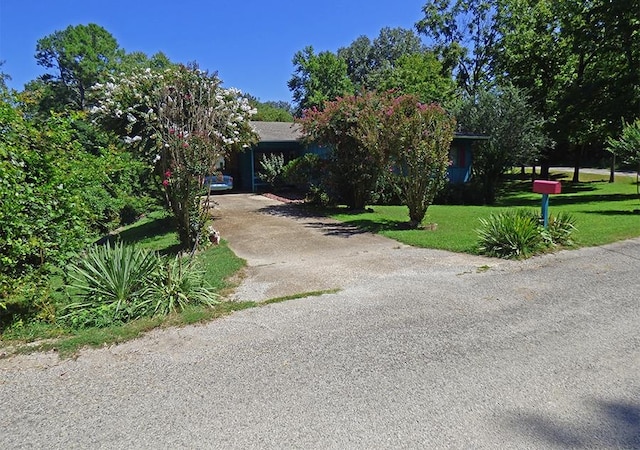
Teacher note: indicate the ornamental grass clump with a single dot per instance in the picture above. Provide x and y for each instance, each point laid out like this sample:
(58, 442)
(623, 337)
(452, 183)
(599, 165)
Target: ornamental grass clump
(109, 283)
(560, 229)
(517, 234)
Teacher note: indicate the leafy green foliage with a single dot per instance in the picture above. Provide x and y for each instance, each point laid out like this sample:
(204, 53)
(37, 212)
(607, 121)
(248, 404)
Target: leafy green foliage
(420, 74)
(271, 111)
(81, 55)
(371, 134)
(627, 145)
(579, 63)
(561, 227)
(44, 176)
(418, 138)
(54, 194)
(177, 284)
(369, 64)
(519, 234)
(272, 172)
(112, 284)
(180, 122)
(514, 131)
(318, 78)
(464, 35)
(304, 171)
(351, 126)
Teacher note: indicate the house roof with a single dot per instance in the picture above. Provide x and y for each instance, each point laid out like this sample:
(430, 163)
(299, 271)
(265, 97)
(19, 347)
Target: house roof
(277, 131)
(292, 132)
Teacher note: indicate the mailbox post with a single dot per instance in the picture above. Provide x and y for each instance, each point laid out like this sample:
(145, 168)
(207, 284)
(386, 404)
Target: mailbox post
(545, 188)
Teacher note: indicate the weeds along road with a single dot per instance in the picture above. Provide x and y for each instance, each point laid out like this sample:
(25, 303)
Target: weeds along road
(418, 349)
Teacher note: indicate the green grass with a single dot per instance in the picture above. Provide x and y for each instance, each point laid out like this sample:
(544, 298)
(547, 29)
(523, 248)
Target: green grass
(604, 212)
(154, 232)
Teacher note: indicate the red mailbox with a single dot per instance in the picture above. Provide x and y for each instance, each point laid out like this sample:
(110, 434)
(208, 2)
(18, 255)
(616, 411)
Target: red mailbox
(546, 187)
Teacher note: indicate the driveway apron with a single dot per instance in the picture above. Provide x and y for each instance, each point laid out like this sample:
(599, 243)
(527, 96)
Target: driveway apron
(290, 251)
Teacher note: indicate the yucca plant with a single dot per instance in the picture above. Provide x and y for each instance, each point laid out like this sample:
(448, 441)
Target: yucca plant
(512, 234)
(177, 282)
(560, 228)
(111, 281)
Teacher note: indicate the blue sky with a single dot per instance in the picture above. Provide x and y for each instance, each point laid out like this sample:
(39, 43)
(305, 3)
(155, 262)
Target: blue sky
(250, 43)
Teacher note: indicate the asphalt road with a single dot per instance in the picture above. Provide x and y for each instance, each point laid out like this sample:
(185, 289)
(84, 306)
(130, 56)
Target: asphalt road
(430, 350)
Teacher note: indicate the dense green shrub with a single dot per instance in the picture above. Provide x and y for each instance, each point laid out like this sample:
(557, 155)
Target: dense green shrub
(44, 216)
(351, 127)
(61, 184)
(518, 233)
(470, 193)
(560, 228)
(417, 138)
(177, 283)
(304, 171)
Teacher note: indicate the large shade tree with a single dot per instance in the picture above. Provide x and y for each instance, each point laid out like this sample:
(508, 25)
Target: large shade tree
(79, 56)
(514, 130)
(464, 35)
(579, 63)
(318, 78)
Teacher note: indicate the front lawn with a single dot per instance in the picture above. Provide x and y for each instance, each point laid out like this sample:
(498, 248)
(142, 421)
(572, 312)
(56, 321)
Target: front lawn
(604, 212)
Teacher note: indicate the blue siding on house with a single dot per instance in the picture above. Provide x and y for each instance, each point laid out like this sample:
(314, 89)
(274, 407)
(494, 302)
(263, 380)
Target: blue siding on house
(461, 156)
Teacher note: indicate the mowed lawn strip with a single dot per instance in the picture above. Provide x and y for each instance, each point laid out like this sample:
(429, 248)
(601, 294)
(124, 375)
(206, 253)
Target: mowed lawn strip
(604, 212)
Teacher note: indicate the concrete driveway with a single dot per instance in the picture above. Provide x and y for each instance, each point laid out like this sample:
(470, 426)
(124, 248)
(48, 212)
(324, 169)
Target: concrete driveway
(419, 349)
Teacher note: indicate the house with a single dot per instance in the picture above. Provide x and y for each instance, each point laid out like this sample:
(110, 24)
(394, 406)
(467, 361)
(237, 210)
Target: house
(274, 138)
(285, 138)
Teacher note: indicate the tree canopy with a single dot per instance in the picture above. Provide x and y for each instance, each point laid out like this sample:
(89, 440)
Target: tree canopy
(80, 56)
(318, 78)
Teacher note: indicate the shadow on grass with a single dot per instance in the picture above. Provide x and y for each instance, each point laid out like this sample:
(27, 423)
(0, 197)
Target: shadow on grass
(147, 231)
(329, 226)
(565, 198)
(634, 212)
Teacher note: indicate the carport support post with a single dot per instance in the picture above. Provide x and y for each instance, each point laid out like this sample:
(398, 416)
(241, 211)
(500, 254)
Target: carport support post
(545, 210)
